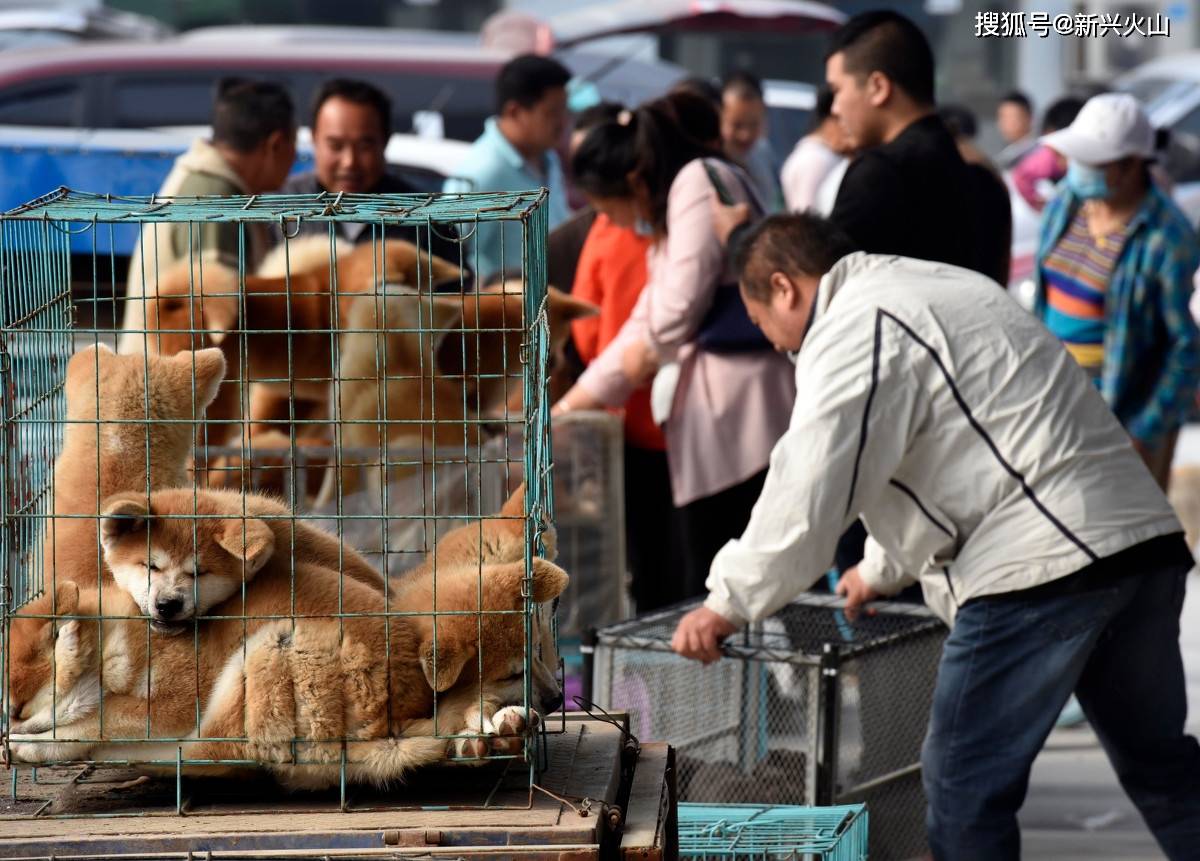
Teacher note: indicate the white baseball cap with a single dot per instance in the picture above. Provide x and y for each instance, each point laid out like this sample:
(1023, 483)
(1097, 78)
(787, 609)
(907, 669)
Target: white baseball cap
(1109, 127)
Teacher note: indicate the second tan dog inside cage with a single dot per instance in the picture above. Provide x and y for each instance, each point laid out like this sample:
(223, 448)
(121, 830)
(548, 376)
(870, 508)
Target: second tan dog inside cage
(175, 582)
(284, 691)
(130, 425)
(282, 324)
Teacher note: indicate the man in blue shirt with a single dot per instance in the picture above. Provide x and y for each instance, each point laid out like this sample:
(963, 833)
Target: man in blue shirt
(515, 153)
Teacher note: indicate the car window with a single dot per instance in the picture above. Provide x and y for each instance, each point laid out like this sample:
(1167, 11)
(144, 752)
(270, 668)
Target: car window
(163, 100)
(57, 103)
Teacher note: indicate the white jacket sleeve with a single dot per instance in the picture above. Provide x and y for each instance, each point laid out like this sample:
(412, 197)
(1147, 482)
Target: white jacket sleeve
(880, 572)
(856, 410)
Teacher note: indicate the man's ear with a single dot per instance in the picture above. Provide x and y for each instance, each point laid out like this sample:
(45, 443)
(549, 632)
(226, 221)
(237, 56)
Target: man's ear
(455, 646)
(784, 289)
(120, 515)
(250, 540)
(879, 88)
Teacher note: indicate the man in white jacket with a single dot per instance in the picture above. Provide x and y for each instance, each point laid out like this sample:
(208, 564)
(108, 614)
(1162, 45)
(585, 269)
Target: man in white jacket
(986, 467)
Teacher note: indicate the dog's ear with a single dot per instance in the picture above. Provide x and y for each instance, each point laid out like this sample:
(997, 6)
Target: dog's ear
(68, 637)
(120, 515)
(568, 307)
(219, 315)
(455, 646)
(514, 506)
(209, 368)
(250, 540)
(445, 312)
(87, 360)
(66, 598)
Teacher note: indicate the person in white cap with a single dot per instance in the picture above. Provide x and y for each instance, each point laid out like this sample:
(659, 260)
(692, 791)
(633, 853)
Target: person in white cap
(1114, 275)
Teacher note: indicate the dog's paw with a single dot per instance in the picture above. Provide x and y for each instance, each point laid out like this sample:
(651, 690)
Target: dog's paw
(512, 724)
(467, 749)
(515, 720)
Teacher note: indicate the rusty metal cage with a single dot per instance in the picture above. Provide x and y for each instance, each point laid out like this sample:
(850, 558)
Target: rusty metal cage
(186, 587)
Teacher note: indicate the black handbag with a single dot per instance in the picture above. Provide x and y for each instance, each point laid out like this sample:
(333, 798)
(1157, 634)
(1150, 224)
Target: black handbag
(726, 327)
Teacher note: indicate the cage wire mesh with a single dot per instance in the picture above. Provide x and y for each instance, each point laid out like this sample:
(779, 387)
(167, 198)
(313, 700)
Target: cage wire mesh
(281, 491)
(805, 708)
(792, 832)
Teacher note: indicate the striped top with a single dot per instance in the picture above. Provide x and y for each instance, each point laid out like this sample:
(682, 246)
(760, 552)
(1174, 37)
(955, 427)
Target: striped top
(1076, 275)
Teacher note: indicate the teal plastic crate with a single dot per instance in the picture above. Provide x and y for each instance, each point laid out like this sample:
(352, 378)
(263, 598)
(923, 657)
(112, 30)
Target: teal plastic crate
(746, 831)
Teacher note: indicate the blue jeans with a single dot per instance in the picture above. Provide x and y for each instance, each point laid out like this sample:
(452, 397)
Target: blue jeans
(1008, 667)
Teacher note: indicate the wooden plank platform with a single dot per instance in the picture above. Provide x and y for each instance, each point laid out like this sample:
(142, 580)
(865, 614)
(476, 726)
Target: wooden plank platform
(455, 811)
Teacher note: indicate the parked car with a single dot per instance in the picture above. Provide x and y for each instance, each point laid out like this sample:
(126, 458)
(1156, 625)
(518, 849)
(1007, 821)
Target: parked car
(171, 83)
(35, 27)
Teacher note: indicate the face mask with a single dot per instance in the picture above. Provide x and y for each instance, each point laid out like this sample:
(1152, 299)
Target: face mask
(642, 227)
(1085, 181)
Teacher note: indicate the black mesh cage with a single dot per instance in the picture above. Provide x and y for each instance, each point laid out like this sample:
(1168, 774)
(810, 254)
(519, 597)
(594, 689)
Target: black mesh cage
(806, 708)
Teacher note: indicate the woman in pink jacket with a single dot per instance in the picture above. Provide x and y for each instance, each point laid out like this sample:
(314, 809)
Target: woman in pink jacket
(726, 395)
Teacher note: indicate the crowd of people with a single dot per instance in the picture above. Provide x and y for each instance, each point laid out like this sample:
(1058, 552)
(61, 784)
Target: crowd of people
(819, 367)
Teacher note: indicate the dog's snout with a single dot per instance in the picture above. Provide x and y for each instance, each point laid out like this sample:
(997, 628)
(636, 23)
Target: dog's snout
(552, 703)
(168, 608)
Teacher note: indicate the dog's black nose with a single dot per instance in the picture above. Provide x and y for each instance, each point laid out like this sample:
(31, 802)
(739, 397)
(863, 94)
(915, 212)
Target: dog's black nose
(168, 608)
(552, 704)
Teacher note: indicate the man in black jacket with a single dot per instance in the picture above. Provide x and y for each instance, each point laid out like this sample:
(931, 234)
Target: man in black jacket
(909, 192)
(351, 124)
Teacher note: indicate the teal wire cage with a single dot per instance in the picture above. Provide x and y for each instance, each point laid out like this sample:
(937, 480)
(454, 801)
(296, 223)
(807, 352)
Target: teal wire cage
(261, 466)
(773, 832)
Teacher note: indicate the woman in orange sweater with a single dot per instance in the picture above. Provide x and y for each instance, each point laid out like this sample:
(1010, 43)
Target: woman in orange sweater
(611, 274)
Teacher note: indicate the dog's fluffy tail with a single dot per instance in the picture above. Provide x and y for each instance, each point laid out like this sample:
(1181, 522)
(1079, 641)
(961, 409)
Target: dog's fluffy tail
(381, 762)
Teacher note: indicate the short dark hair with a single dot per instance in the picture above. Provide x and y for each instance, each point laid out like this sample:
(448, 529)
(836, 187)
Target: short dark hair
(358, 92)
(792, 243)
(699, 86)
(1062, 113)
(743, 84)
(1018, 98)
(660, 138)
(960, 120)
(525, 79)
(887, 42)
(597, 115)
(246, 113)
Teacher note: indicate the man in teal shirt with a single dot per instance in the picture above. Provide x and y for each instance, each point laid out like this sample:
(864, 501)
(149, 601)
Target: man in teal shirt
(515, 153)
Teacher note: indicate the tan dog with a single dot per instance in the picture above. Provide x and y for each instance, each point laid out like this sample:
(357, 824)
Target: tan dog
(174, 585)
(270, 681)
(487, 357)
(283, 324)
(129, 428)
(389, 393)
